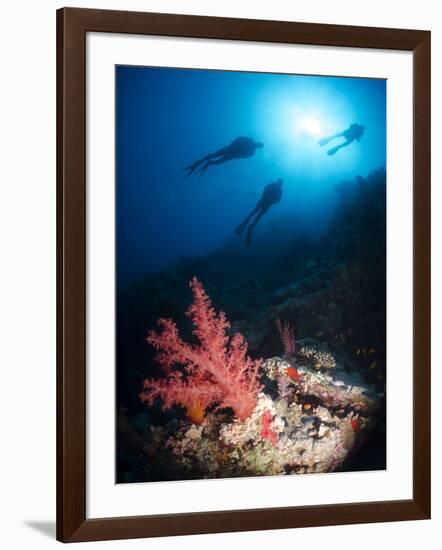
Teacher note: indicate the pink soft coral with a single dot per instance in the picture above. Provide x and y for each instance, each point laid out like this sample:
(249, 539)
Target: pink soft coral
(215, 371)
(287, 335)
(266, 430)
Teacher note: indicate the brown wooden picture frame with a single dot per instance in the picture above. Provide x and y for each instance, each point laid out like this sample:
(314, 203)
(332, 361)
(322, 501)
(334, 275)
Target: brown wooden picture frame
(72, 26)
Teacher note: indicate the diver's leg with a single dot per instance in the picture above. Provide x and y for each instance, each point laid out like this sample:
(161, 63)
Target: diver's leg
(263, 210)
(192, 167)
(221, 160)
(219, 153)
(261, 213)
(326, 140)
(244, 224)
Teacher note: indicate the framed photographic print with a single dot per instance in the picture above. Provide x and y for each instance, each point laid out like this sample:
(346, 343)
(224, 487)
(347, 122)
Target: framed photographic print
(243, 274)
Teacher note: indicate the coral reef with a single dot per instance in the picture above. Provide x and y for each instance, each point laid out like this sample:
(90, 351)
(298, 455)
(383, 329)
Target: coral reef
(313, 430)
(218, 371)
(332, 290)
(321, 359)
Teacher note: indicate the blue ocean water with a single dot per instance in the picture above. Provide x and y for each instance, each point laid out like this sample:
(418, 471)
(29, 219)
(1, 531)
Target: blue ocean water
(167, 118)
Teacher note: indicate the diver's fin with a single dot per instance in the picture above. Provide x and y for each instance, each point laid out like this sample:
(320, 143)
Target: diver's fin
(239, 230)
(249, 236)
(324, 141)
(333, 151)
(191, 167)
(202, 169)
(188, 171)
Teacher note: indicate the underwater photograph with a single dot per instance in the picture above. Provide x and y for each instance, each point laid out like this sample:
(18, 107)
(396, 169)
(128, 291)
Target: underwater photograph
(250, 274)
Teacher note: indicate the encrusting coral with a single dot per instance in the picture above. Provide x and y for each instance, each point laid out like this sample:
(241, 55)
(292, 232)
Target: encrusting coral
(217, 371)
(321, 359)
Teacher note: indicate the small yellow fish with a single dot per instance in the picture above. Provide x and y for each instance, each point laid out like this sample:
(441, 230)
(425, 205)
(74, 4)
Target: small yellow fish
(340, 411)
(307, 406)
(373, 365)
(372, 350)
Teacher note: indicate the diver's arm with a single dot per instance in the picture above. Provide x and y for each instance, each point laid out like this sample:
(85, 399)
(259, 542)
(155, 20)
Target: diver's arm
(278, 198)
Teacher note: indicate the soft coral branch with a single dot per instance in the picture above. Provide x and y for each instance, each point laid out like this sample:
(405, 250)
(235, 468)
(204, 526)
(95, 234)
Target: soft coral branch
(287, 335)
(217, 371)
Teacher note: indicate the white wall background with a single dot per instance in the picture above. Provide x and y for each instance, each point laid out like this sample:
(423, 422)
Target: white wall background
(27, 272)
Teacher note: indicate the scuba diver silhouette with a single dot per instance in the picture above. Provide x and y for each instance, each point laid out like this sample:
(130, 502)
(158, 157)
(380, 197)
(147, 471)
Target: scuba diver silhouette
(240, 148)
(355, 131)
(271, 195)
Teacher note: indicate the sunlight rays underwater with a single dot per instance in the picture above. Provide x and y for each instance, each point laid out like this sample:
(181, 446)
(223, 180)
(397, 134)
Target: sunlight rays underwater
(167, 117)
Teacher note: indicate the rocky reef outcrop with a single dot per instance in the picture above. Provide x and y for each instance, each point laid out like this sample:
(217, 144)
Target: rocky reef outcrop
(309, 425)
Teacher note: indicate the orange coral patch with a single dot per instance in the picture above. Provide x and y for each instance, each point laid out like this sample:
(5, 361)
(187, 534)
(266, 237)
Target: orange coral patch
(196, 413)
(293, 374)
(356, 424)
